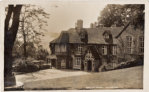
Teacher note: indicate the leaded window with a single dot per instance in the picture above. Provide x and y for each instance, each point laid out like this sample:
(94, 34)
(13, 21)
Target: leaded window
(129, 44)
(141, 44)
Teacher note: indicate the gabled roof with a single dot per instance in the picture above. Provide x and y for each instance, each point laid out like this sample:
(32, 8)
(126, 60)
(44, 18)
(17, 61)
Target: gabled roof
(63, 38)
(95, 35)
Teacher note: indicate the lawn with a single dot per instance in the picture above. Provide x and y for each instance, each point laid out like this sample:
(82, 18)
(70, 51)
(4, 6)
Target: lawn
(129, 78)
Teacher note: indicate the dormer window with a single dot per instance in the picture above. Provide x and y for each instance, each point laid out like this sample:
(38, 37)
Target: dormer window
(82, 35)
(106, 36)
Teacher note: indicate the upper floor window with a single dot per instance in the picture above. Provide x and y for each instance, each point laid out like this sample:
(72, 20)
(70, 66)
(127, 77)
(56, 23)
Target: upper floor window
(104, 50)
(63, 48)
(106, 36)
(89, 54)
(129, 44)
(114, 50)
(60, 48)
(141, 44)
(57, 48)
(82, 35)
(79, 48)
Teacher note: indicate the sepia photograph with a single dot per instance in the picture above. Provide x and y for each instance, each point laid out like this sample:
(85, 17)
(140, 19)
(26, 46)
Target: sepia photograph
(73, 46)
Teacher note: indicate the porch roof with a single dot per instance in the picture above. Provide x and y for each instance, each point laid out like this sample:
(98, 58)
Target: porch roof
(52, 57)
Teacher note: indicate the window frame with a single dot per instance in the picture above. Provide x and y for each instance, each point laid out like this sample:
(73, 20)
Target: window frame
(106, 36)
(79, 48)
(78, 61)
(141, 44)
(104, 50)
(114, 50)
(60, 48)
(129, 41)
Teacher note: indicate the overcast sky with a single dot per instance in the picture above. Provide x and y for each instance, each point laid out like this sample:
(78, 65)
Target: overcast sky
(63, 16)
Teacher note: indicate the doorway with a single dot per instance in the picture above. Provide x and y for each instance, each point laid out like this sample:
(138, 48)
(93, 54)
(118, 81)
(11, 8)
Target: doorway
(53, 62)
(89, 65)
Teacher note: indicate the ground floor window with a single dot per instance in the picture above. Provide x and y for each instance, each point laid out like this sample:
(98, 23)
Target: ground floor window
(78, 61)
(114, 50)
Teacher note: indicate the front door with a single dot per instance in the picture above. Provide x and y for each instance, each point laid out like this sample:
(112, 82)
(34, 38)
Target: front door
(89, 65)
(53, 62)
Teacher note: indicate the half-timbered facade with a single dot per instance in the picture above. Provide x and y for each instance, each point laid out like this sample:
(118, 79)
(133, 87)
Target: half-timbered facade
(91, 48)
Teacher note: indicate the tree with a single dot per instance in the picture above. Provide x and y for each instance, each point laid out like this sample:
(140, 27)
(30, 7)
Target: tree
(10, 33)
(121, 15)
(32, 25)
(42, 53)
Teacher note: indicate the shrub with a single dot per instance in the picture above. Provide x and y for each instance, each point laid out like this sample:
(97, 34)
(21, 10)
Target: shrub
(45, 66)
(26, 66)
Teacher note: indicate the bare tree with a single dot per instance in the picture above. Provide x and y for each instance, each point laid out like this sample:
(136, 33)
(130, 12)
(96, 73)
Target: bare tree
(32, 25)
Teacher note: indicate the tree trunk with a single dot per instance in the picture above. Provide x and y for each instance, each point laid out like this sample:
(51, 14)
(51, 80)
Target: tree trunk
(10, 36)
(24, 38)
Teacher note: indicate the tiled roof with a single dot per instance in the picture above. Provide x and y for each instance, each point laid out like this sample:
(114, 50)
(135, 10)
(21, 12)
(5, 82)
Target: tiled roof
(95, 35)
(63, 38)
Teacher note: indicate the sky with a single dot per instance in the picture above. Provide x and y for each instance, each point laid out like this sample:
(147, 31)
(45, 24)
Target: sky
(63, 16)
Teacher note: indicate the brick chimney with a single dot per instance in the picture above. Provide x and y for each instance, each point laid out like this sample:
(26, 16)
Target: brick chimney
(79, 24)
(91, 25)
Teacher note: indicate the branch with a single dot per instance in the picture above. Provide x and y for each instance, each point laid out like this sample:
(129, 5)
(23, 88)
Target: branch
(122, 30)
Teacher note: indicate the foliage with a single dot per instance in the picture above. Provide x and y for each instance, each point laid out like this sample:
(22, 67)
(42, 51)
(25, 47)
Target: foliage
(32, 24)
(42, 53)
(122, 14)
(26, 66)
(45, 66)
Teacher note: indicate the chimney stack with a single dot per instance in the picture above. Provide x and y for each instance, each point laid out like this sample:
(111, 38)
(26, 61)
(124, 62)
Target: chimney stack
(79, 24)
(91, 25)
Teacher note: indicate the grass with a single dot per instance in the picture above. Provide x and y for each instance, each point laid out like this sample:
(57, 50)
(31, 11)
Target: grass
(129, 78)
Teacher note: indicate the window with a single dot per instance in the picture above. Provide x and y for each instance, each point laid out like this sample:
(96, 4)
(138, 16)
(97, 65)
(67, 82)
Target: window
(89, 54)
(57, 49)
(106, 36)
(82, 35)
(63, 48)
(60, 48)
(141, 44)
(114, 50)
(104, 50)
(129, 44)
(79, 48)
(78, 61)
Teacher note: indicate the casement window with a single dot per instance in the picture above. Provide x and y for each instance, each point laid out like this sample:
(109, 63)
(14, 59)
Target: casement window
(106, 36)
(82, 35)
(57, 48)
(78, 61)
(89, 54)
(63, 48)
(104, 50)
(141, 44)
(79, 48)
(114, 50)
(129, 44)
(60, 48)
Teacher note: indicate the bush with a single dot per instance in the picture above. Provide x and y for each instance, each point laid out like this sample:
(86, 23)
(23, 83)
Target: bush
(45, 66)
(128, 64)
(26, 67)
